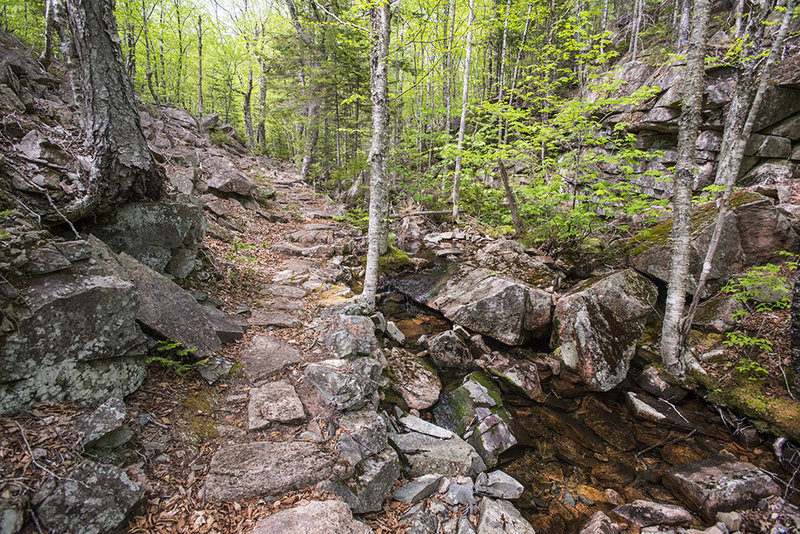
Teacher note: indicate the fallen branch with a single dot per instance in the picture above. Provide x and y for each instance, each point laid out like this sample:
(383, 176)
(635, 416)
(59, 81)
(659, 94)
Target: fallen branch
(415, 213)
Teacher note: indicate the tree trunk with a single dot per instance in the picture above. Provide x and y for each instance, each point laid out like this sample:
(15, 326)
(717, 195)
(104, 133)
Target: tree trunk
(61, 24)
(247, 96)
(511, 198)
(261, 132)
(149, 71)
(179, 74)
(683, 26)
(123, 167)
(464, 107)
(636, 25)
(378, 152)
(502, 76)
(200, 65)
(312, 135)
(49, 21)
(692, 97)
(750, 88)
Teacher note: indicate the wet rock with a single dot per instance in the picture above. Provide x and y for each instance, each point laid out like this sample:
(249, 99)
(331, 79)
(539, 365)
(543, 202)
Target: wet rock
(267, 354)
(423, 454)
(413, 380)
(274, 319)
(223, 176)
(518, 376)
(274, 402)
(719, 484)
(104, 428)
(498, 485)
(77, 339)
(346, 384)
(658, 411)
(647, 513)
(372, 481)
(316, 517)
(92, 498)
(165, 235)
(267, 468)
(598, 325)
(475, 411)
(417, 489)
(447, 349)
(498, 516)
(351, 336)
(362, 434)
(652, 380)
(600, 523)
(229, 328)
(495, 305)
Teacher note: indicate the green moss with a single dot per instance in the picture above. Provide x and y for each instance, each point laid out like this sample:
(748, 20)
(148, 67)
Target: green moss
(483, 379)
(393, 261)
(204, 428)
(204, 402)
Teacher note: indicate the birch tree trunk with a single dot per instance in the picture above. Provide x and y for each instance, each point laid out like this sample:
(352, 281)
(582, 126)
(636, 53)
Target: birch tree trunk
(464, 107)
(682, 198)
(683, 24)
(751, 86)
(123, 168)
(502, 75)
(200, 65)
(378, 152)
(511, 198)
(49, 31)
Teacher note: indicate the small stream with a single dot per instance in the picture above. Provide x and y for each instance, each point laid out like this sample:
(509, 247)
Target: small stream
(584, 451)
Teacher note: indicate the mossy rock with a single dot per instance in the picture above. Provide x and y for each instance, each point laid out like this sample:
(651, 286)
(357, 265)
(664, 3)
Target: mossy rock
(394, 261)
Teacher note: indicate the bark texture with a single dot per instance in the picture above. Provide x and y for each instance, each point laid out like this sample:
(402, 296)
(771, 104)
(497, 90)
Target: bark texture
(682, 199)
(796, 335)
(123, 168)
(379, 150)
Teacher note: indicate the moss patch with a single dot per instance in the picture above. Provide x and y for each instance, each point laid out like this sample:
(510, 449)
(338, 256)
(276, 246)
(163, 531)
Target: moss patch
(393, 261)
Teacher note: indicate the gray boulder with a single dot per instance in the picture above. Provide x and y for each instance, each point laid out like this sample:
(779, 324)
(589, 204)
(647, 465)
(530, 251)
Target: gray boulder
(77, 339)
(448, 349)
(513, 374)
(369, 485)
(498, 485)
(224, 177)
(267, 354)
(104, 427)
(416, 382)
(363, 434)
(495, 305)
(92, 499)
(315, 517)
(720, 484)
(597, 326)
(346, 384)
(423, 454)
(510, 258)
(498, 517)
(164, 235)
(647, 513)
(418, 488)
(350, 336)
(229, 328)
(267, 468)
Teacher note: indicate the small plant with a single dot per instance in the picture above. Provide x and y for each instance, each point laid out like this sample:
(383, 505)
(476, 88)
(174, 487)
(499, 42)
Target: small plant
(357, 217)
(176, 357)
(241, 253)
(220, 138)
(750, 369)
(740, 339)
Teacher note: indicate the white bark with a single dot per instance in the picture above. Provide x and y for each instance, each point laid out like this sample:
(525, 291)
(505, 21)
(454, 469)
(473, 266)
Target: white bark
(378, 152)
(464, 107)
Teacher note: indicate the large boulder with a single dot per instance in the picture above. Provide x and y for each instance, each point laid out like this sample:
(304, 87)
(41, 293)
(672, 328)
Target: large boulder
(267, 468)
(362, 434)
(92, 498)
(413, 380)
(495, 305)
(597, 326)
(497, 516)
(346, 384)
(755, 231)
(433, 449)
(224, 177)
(369, 485)
(510, 258)
(164, 235)
(315, 517)
(351, 336)
(77, 339)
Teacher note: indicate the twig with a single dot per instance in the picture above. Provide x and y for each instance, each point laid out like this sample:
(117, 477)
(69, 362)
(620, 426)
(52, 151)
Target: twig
(675, 410)
(30, 453)
(670, 442)
(36, 522)
(21, 203)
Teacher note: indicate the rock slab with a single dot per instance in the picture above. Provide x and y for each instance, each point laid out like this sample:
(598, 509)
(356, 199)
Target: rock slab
(316, 517)
(274, 402)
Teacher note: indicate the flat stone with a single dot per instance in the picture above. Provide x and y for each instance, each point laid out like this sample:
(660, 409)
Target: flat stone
(274, 402)
(425, 454)
(498, 516)
(229, 328)
(362, 434)
(372, 481)
(226, 178)
(720, 484)
(277, 290)
(417, 489)
(92, 498)
(416, 424)
(600, 523)
(267, 354)
(394, 333)
(266, 468)
(46, 259)
(647, 513)
(346, 384)
(498, 485)
(314, 251)
(100, 427)
(276, 319)
(316, 517)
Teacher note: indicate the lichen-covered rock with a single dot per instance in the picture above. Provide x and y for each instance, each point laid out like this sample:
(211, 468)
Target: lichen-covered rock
(267, 468)
(267, 354)
(519, 376)
(495, 305)
(597, 327)
(346, 384)
(416, 382)
(104, 426)
(369, 485)
(77, 339)
(224, 177)
(274, 402)
(448, 349)
(350, 336)
(647, 513)
(509, 257)
(424, 454)
(720, 484)
(498, 517)
(475, 411)
(164, 235)
(362, 434)
(92, 499)
(316, 517)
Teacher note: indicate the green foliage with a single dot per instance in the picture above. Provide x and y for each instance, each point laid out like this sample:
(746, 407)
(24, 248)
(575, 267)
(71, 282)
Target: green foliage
(242, 252)
(750, 369)
(763, 287)
(219, 137)
(176, 357)
(358, 217)
(740, 339)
